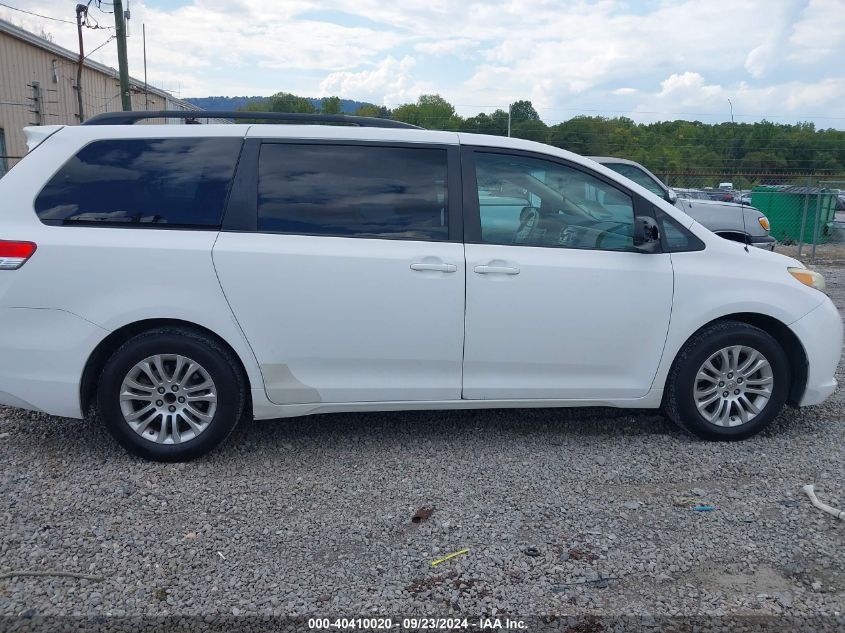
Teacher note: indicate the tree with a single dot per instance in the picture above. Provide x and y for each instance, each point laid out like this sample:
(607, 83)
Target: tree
(523, 111)
(530, 130)
(282, 102)
(330, 105)
(430, 111)
(373, 110)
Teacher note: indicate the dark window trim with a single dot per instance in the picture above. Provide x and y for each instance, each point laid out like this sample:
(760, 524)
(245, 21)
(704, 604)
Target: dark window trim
(472, 210)
(241, 213)
(141, 225)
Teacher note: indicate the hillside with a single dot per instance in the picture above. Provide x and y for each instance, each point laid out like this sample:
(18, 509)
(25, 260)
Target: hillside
(236, 103)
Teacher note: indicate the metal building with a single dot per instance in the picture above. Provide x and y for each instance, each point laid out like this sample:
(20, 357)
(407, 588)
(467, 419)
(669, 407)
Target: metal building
(38, 87)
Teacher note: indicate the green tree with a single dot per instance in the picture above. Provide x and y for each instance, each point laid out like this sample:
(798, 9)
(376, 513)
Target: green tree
(523, 111)
(430, 111)
(530, 130)
(282, 102)
(330, 105)
(369, 109)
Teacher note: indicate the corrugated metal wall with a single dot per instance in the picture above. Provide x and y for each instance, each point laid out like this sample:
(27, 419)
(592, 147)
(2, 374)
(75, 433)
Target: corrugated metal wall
(22, 63)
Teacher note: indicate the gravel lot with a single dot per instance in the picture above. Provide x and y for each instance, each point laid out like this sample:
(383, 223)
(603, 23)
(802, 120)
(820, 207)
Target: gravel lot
(575, 512)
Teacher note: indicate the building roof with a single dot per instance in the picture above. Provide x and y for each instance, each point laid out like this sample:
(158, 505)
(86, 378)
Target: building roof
(47, 45)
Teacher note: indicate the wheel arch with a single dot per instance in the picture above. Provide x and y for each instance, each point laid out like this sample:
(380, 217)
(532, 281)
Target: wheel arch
(101, 353)
(785, 337)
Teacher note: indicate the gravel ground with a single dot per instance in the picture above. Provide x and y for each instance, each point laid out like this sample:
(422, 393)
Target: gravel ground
(575, 512)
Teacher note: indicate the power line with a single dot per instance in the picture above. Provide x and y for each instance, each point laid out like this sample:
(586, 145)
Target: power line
(46, 17)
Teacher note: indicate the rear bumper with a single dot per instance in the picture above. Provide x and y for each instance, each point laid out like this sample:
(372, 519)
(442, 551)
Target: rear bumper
(42, 355)
(820, 332)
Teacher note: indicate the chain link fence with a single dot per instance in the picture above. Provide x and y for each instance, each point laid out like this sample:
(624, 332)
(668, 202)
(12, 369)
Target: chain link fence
(802, 208)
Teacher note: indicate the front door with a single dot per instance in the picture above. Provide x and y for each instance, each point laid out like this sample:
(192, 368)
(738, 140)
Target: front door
(560, 305)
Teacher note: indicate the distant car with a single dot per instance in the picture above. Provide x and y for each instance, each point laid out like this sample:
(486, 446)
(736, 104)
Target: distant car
(722, 196)
(736, 222)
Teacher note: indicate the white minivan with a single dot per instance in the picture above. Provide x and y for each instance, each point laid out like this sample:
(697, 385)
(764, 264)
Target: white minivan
(173, 279)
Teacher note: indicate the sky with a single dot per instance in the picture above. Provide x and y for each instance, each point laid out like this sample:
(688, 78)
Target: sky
(650, 60)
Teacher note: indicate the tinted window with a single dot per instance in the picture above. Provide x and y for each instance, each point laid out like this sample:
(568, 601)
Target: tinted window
(353, 191)
(533, 202)
(176, 181)
(638, 176)
(675, 237)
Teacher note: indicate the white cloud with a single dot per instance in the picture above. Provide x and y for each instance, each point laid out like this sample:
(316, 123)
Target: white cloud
(459, 47)
(391, 82)
(671, 56)
(688, 94)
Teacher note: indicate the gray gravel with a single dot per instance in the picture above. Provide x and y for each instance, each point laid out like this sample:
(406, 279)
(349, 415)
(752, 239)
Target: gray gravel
(563, 511)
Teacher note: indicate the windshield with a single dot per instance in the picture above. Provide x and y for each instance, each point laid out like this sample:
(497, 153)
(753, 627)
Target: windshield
(638, 176)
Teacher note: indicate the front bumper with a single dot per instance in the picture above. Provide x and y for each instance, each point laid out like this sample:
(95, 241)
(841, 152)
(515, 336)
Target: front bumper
(765, 242)
(820, 332)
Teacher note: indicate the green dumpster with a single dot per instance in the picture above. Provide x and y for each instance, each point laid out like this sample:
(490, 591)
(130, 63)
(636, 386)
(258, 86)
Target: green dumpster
(784, 206)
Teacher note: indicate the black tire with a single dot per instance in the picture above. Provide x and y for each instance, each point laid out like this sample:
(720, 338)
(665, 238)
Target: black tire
(214, 359)
(679, 401)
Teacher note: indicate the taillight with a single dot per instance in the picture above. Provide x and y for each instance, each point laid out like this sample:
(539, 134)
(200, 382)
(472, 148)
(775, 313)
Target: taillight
(13, 255)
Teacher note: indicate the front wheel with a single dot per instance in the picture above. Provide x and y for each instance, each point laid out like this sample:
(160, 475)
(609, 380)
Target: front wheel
(170, 394)
(728, 382)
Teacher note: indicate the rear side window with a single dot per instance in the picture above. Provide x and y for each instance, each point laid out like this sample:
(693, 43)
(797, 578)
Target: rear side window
(353, 191)
(179, 182)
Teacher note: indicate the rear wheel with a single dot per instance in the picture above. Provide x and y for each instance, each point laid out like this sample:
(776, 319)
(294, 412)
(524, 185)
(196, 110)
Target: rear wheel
(170, 394)
(728, 382)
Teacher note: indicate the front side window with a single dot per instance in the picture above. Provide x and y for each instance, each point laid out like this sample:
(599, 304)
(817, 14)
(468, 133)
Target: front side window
(533, 202)
(677, 239)
(638, 176)
(178, 182)
(353, 191)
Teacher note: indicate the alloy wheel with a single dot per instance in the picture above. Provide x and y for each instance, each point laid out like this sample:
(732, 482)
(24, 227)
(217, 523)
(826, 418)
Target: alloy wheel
(733, 386)
(168, 399)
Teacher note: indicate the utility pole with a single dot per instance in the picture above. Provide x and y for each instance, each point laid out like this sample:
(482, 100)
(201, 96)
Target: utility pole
(81, 10)
(510, 106)
(730, 151)
(123, 67)
(146, 86)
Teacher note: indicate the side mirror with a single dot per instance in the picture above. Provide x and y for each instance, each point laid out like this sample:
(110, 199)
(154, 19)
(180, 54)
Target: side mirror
(671, 196)
(646, 234)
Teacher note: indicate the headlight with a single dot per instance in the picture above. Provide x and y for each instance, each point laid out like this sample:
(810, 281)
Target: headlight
(764, 222)
(808, 277)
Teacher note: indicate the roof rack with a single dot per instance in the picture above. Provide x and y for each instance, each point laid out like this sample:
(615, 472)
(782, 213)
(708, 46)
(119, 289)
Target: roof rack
(191, 116)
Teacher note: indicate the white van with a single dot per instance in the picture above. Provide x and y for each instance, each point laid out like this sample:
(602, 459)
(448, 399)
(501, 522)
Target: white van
(176, 278)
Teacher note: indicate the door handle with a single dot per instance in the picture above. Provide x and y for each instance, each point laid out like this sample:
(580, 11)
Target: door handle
(503, 270)
(442, 268)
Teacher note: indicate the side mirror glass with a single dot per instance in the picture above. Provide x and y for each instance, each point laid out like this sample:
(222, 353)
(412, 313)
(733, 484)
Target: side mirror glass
(671, 196)
(646, 234)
